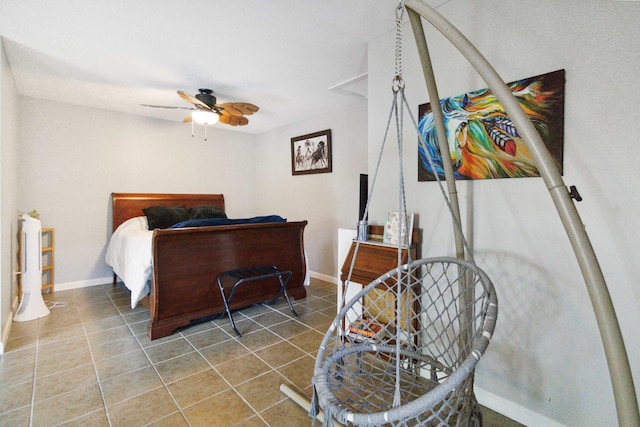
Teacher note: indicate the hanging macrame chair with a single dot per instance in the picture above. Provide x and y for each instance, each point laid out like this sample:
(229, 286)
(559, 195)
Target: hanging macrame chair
(405, 355)
(403, 350)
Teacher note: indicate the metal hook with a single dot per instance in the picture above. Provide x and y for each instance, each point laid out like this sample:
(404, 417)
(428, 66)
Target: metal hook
(398, 83)
(573, 193)
(400, 11)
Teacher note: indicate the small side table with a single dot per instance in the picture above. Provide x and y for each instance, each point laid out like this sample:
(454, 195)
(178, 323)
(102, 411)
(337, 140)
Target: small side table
(251, 274)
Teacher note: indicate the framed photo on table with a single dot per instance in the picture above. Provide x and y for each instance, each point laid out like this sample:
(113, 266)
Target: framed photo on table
(398, 229)
(311, 153)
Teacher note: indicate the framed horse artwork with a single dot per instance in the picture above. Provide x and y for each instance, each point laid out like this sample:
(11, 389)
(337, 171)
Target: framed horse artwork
(311, 153)
(484, 143)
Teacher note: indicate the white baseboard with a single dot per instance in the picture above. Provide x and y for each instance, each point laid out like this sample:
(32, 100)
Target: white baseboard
(4, 337)
(108, 280)
(5, 332)
(324, 277)
(83, 283)
(513, 410)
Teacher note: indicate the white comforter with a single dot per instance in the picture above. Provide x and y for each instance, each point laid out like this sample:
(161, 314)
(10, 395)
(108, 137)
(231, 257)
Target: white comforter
(129, 254)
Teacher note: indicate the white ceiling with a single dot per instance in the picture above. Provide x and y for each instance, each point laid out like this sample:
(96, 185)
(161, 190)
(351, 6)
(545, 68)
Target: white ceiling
(282, 55)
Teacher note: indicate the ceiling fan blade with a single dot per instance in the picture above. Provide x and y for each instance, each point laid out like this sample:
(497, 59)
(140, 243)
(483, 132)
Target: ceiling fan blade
(166, 106)
(246, 108)
(227, 109)
(237, 108)
(193, 100)
(241, 121)
(234, 120)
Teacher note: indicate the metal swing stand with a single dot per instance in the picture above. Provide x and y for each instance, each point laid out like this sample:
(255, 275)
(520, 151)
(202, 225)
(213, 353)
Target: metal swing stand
(617, 360)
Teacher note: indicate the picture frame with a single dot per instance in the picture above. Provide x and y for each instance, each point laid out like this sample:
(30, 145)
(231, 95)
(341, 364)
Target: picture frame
(484, 143)
(311, 153)
(398, 229)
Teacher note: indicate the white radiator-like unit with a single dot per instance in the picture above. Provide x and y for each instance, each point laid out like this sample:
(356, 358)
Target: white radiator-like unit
(32, 305)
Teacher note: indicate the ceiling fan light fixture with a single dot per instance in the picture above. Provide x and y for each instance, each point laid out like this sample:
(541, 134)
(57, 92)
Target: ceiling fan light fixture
(203, 117)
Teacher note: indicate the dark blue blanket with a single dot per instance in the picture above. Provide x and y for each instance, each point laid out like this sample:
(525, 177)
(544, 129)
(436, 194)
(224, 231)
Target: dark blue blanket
(205, 222)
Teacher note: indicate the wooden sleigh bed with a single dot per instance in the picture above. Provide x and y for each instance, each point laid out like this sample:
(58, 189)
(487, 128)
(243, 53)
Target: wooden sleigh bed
(187, 261)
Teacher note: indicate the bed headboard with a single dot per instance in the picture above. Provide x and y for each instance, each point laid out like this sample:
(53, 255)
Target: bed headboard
(129, 205)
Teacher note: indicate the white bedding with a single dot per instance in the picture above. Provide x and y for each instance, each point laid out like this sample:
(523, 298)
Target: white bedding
(129, 254)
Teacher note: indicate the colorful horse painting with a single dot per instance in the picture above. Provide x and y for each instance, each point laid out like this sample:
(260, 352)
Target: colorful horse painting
(483, 142)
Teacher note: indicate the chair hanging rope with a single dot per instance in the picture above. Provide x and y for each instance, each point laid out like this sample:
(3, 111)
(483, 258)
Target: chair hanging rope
(403, 350)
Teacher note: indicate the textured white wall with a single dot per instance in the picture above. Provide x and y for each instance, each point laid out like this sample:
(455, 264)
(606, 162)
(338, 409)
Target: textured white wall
(8, 193)
(73, 158)
(328, 200)
(546, 359)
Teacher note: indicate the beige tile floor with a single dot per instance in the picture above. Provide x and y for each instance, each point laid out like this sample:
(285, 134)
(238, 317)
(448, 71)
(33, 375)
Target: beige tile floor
(90, 363)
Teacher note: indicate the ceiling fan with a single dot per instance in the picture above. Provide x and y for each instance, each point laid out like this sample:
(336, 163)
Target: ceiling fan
(229, 113)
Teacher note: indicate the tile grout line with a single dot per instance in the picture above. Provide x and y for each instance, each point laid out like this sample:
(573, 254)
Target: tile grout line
(252, 352)
(35, 372)
(95, 368)
(51, 397)
(216, 326)
(164, 384)
(281, 310)
(283, 339)
(232, 387)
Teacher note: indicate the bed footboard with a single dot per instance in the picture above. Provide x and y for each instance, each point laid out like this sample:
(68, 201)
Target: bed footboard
(187, 262)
